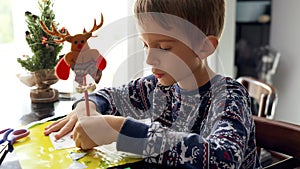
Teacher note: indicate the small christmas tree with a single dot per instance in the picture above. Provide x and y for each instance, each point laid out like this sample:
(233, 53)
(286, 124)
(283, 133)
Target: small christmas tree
(43, 46)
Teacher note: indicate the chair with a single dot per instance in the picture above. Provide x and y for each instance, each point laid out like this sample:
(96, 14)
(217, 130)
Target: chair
(282, 139)
(264, 100)
(264, 94)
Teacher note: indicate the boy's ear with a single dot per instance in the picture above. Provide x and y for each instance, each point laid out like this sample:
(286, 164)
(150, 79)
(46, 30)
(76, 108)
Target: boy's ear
(207, 47)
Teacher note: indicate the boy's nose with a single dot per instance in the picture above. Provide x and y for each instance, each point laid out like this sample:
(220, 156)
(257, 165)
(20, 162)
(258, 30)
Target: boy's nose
(152, 57)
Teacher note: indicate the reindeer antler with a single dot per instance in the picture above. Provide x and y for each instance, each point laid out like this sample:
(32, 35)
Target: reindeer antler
(54, 32)
(95, 27)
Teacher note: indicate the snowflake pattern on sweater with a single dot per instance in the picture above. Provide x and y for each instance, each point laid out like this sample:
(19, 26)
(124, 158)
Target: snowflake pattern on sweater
(207, 128)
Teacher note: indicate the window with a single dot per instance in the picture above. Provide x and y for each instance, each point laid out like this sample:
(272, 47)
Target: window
(6, 31)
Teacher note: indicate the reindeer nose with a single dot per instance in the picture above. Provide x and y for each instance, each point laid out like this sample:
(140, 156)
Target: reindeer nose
(79, 46)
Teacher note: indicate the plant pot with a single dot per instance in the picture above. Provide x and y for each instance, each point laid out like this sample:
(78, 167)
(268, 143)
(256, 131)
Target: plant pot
(43, 93)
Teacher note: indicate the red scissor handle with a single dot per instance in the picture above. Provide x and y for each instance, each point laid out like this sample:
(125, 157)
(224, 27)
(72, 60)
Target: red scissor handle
(17, 134)
(3, 131)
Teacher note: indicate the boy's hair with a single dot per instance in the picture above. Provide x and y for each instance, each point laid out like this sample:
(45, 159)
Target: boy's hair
(207, 15)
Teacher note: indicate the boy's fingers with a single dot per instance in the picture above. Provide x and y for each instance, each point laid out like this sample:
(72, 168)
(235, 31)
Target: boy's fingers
(52, 124)
(55, 126)
(68, 127)
(55, 123)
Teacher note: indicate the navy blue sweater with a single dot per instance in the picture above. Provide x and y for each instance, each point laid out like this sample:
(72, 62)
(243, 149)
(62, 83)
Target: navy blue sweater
(206, 128)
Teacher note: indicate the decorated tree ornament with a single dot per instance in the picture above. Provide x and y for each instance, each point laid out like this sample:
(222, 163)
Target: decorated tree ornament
(81, 59)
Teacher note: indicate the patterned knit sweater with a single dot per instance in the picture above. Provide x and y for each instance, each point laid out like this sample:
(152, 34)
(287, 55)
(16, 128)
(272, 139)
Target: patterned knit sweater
(207, 128)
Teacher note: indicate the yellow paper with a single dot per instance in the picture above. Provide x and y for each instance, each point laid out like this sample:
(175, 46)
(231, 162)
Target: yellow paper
(36, 151)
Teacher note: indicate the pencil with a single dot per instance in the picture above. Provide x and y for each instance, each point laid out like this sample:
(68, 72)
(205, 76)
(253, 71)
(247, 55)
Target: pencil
(86, 98)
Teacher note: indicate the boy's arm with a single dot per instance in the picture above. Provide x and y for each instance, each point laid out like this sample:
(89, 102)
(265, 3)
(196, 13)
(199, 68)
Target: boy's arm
(127, 100)
(224, 146)
(113, 101)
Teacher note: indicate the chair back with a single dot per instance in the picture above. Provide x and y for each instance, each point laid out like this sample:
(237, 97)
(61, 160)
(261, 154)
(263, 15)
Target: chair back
(263, 93)
(280, 137)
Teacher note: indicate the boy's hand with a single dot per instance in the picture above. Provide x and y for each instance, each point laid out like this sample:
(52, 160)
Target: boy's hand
(91, 131)
(66, 125)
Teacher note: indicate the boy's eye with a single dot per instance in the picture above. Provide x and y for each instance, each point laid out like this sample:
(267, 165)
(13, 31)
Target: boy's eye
(145, 45)
(165, 48)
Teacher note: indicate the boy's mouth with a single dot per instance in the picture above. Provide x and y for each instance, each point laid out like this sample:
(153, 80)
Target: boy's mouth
(157, 75)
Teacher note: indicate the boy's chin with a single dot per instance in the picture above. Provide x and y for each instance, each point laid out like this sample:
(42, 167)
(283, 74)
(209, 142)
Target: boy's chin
(166, 82)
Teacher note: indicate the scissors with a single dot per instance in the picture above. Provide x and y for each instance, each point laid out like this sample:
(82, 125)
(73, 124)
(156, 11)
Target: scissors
(7, 138)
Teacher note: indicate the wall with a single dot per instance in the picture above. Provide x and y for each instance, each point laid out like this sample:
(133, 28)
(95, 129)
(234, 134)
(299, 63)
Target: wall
(224, 60)
(285, 38)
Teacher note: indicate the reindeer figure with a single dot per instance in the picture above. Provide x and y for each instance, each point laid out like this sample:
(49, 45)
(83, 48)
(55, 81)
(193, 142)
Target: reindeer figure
(81, 59)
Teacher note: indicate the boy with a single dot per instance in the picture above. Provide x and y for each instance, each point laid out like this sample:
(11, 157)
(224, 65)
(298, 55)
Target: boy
(198, 119)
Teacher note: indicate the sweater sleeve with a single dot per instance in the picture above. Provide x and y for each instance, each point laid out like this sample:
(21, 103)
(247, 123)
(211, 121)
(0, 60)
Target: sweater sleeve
(133, 99)
(227, 144)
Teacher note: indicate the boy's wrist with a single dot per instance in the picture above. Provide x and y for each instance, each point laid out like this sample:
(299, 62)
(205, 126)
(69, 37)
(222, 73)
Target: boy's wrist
(116, 122)
(81, 108)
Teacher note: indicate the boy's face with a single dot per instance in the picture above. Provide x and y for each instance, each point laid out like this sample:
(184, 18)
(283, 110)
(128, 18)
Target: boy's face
(175, 50)
(171, 60)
